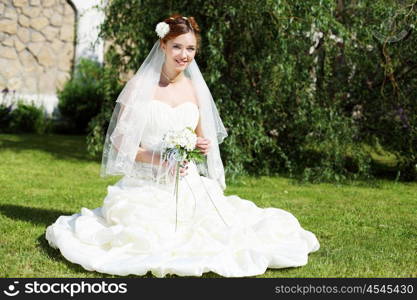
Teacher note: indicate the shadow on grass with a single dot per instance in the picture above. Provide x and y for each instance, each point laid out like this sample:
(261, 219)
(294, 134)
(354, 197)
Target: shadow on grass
(37, 216)
(63, 147)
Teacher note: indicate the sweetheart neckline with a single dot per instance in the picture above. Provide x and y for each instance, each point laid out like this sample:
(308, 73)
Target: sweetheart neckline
(174, 107)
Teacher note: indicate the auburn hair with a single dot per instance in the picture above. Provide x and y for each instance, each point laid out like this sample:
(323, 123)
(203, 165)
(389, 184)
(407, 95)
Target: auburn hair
(178, 25)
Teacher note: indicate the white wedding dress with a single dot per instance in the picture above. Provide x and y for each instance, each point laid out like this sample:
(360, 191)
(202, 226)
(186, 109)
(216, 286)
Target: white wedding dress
(134, 231)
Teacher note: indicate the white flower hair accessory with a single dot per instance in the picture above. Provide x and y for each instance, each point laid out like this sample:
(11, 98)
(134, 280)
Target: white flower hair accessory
(162, 29)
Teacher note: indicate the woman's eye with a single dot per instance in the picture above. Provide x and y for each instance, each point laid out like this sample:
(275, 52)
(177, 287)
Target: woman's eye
(178, 47)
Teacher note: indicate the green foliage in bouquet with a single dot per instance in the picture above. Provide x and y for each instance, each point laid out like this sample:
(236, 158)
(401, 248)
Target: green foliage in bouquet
(196, 156)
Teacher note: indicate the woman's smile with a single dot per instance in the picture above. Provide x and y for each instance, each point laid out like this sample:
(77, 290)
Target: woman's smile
(181, 62)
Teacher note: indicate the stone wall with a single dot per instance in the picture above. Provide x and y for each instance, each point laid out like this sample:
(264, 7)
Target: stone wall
(37, 44)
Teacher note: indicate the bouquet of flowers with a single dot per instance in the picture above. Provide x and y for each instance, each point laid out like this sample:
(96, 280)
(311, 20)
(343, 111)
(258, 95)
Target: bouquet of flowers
(179, 146)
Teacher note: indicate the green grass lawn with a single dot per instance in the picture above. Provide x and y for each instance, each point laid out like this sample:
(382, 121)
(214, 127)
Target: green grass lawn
(364, 230)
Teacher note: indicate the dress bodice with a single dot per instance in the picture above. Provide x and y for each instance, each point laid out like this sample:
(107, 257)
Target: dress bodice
(163, 117)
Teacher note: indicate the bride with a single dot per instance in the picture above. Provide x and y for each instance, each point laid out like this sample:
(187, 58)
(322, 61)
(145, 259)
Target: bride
(167, 214)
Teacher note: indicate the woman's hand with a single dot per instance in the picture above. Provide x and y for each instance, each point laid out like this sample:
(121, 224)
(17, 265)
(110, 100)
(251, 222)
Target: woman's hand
(203, 144)
(183, 168)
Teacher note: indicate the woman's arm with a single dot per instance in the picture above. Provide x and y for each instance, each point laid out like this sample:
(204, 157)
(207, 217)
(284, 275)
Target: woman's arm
(199, 130)
(147, 156)
(202, 143)
(144, 155)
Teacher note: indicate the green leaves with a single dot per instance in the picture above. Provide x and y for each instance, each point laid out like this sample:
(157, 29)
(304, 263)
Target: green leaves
(196, 156)
(255, 59)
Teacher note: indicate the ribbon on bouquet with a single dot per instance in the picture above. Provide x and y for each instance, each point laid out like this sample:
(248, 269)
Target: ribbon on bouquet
(176, 188)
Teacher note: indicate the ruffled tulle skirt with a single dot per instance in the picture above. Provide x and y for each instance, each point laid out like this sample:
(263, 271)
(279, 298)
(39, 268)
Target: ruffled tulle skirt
(140, 227)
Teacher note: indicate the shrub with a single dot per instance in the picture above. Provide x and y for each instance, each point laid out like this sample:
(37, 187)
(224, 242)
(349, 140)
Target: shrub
(97, 127)
(28, 118)
(82, 96)
(5, 117)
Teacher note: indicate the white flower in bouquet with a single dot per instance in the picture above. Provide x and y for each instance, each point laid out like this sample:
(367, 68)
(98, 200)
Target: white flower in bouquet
(184, 139)
(187, 139)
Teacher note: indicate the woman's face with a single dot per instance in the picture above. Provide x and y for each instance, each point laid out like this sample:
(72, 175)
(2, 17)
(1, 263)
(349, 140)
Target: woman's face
(180, 51)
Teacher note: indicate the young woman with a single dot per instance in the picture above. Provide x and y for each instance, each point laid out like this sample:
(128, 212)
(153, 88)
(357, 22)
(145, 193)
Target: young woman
(168, 215)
